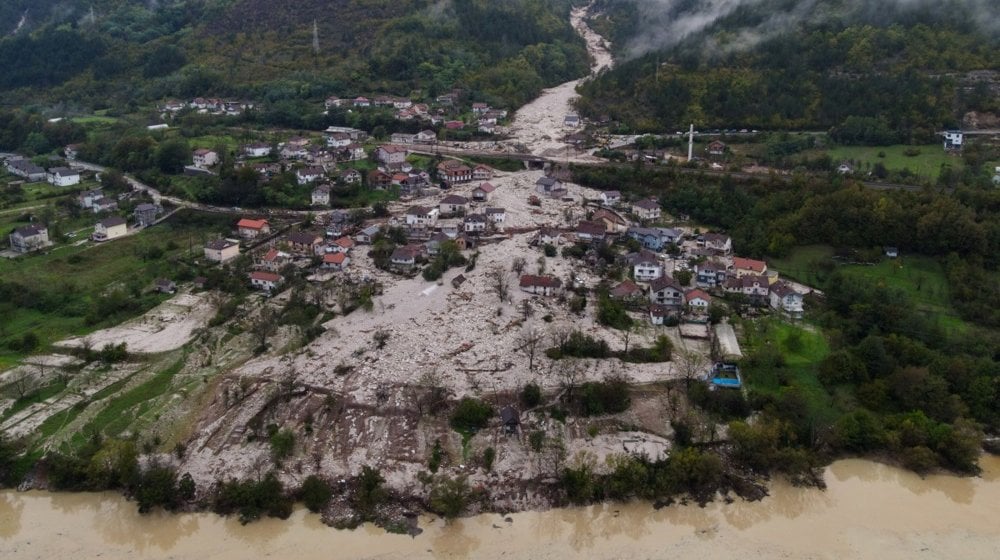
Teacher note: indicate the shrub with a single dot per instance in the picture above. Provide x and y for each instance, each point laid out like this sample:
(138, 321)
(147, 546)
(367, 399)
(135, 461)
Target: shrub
(580, 345)
(489, 455)
(315, 493)
(369, 493)
(531, 395)
(550, 250)
(607, 397)
(536, 439)
(282, 444)
(449, 497)
(471, 415)
(251, 499)
(437, 455)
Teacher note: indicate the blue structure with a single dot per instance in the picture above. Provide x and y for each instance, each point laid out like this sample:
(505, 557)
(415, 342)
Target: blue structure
(726, 376)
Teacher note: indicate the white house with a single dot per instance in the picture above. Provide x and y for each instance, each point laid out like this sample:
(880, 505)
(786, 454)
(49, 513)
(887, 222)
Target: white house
(29, 238)
(256, 150)
(307, 175)
(611, 197)
(784, 298)
(250, 228)
(953, 140)
(422, 216)
(391, 156)
(63, 177)
(205, 158)
(110, 228)
(222, 250)
(540, 285)
(453, 204)
(321, 195)
(264, 280)
(698, 300)
(475, 223)
(496, 215)
(666, 291)
(647, 209)
(645, 266)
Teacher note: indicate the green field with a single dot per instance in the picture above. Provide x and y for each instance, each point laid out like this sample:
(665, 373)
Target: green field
(927, 164)
(920, 277)
(803, 348)
(95, 120)
(80, 274)
(801, 263)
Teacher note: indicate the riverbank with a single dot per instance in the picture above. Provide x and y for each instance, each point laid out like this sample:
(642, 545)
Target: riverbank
(869, 510)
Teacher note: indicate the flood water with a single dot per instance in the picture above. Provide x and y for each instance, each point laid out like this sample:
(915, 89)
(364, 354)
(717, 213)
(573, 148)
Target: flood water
(868, 511)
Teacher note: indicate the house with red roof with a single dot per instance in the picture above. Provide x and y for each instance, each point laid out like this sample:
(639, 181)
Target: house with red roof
(250, 228)
(542, 285)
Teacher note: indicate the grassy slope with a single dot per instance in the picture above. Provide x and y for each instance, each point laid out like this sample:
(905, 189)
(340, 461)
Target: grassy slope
(803, 348)
(91, 270)
(920, 277)
(927, 164)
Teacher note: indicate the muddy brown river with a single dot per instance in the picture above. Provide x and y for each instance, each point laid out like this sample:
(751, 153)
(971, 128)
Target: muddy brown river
(868, 511)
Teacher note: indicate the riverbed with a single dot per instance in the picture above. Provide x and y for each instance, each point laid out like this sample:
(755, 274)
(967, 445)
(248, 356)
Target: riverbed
(868, 510)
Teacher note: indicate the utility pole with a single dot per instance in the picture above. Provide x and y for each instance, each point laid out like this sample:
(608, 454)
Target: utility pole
(315, 38)
(691, 143)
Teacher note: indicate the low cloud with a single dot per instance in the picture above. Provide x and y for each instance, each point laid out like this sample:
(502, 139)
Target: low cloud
(666, 23)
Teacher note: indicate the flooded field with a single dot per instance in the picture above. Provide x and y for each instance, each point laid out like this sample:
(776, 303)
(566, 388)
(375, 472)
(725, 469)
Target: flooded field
(868, 511)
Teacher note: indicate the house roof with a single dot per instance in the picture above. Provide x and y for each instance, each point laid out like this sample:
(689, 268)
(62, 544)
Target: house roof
(475, 218)
(220, 244)
(491, 211)
(657, 310)
(643, 256)
(303, 238)
(265, 276)
(590, 228)
(664, 282)
(405, 253)
(611, 194)
(63, 171)
(345, 242)
(112, 222)
(532, 280)
(741, 263)
(418, 211)
(203, 152)
(747, 281)
(485, 187)
(334, 258)
(248, 223)
(625, 289)
(698, 294)
(610, 215)
(783, 289)
(390, 149)
(547, 181)
(509, 416)
(146, 208)
(29, 231)
(454, 199)
(646, 204)
(322, 189)
(715, 238)
(306, 171)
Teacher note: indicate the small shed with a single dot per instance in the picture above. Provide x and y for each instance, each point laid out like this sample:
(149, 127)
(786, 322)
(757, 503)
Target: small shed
(511, 419)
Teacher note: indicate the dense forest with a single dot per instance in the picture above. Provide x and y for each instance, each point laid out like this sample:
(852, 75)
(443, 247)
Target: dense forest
(125, 53)
(909, 74)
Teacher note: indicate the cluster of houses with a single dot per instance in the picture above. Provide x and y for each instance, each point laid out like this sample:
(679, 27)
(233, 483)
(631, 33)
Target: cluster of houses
(58, 176)
(444, 111)
(208, 105)
(113, 227)
(716, 271)
(313, 161)
(652, 286)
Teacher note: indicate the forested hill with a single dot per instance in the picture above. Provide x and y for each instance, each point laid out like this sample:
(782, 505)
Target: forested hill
(83, 51)
(771, 64)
